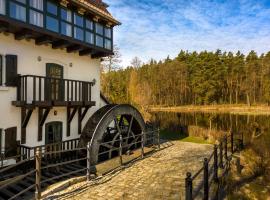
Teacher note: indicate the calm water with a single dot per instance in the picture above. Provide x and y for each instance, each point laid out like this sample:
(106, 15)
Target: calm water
(254, 130)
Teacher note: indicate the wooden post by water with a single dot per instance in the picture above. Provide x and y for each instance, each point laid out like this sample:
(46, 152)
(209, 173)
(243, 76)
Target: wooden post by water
(215, 163)
(142, 145)
(226, 147)
(38, 174)
(120, 150)
(188, 186)
(205, 179)
(158, 137)
(221, 154)
(88, 175)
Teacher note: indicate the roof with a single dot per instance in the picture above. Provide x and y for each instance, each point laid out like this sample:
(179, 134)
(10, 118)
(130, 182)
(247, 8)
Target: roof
(99, 7)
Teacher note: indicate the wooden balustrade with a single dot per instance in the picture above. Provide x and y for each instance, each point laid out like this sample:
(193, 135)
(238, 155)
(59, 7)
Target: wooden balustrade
(40, 90)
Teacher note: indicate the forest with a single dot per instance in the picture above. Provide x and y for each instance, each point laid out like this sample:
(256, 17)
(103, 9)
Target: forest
(191, 78)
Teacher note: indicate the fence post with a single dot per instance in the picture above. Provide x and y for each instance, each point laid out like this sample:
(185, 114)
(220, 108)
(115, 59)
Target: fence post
(38, 174)
(142, 145)
(88, 175)
(120, 149)
(226, 148)
(221, 154)
(205, 179)
(188, 186)
(158, 135)
(232, 143)
(215, 163)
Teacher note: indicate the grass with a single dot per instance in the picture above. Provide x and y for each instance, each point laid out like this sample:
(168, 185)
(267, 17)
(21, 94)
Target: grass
(174, 135)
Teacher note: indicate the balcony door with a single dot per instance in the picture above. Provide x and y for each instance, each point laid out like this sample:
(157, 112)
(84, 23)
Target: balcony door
(11, 142)
(53, 132)
(55, 86)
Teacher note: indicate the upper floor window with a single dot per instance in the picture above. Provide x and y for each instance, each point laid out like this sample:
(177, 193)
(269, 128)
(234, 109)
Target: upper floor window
(37, 4)
(108, 32)
(78, 33)
(89, 37)
(89, 24)
(99, 29)
(36, 18)
(17, 11)
(66, 15)
(52, 24)
(3, 7)
(99, 41)
(108, 44)
(66, 29)
(78, 20)
(51, 8)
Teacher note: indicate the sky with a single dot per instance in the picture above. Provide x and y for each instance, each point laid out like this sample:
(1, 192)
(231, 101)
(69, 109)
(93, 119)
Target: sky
(158, 28)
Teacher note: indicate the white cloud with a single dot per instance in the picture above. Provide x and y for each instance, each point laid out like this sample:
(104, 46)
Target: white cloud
(157, 28)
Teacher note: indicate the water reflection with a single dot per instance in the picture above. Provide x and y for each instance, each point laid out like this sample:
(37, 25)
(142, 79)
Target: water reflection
(254, 130)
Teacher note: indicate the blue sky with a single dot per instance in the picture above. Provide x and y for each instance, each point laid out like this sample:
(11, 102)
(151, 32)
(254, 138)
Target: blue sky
(157, 28)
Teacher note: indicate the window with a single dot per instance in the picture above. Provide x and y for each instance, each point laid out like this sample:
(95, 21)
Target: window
(17, 11)
(78, 33)
(51, 8)
(78, 20)
(99, 41)
(36, 18)
(89, 37)
(37, 4)
(99, 29)
(2, 7)
(108, 44)
(1, 70)
(108, 32)
(52, 24)
(66, 15)
(66, 29)
(89, 24)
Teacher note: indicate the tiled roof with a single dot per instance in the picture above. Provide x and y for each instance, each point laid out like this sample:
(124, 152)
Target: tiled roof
(100, 7)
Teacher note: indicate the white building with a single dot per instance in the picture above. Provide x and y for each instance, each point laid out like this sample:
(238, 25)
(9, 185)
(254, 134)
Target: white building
(49, 68)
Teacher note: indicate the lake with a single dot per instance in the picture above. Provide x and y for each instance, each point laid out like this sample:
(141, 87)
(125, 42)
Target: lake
(253, 130)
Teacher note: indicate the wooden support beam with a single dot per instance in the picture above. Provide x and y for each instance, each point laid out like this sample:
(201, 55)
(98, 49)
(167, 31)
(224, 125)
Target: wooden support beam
(98, 55)
(3, 27)
(43, 40)
(74, 48)
(23, 34)
(42, 116)
(70, 114)
(60, 44)
(25, 117)
(81, 116)
(85, 52)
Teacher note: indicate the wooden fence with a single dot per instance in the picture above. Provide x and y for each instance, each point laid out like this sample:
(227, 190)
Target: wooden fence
(41, 167)
(213, 169)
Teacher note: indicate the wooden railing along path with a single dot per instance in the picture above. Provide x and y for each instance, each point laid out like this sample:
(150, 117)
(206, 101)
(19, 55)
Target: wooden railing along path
(41, 171)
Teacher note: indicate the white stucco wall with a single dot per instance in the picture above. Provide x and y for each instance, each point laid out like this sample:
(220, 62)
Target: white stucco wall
(83, 68)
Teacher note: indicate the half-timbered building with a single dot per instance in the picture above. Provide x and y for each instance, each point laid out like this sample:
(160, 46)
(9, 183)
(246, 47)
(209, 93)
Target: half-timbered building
(50, 54)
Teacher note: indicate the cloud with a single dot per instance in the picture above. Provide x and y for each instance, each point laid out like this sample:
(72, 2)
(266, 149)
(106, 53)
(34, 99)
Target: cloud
(157, 28)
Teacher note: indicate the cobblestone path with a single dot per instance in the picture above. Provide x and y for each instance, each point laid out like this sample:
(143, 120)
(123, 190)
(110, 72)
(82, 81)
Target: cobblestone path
(159, 176)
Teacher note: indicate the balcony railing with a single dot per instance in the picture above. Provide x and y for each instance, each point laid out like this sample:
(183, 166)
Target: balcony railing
(47, 91)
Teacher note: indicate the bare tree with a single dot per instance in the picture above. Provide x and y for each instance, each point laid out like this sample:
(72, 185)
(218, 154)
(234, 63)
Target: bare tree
(136, 62)
(112, 62)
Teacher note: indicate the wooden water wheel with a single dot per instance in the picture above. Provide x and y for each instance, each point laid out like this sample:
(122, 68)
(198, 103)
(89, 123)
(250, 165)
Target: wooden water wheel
(104, 128)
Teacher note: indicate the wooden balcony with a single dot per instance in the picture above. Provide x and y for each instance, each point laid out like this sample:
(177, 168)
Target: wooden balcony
(39, 91)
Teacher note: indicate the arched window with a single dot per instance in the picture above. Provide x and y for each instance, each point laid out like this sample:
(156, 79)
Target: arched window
(53, 132)
(55, 86)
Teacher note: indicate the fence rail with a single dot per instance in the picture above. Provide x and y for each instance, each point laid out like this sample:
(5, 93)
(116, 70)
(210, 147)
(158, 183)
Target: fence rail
(41, 167)
(218, 160)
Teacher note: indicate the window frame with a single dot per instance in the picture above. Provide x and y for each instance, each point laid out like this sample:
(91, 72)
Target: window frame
(4, 8)
(25, 6)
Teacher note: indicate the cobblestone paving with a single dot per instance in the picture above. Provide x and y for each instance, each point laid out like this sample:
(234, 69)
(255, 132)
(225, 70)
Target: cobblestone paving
(159, 176)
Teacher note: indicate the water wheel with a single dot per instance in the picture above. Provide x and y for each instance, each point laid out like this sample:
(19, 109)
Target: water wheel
(104, 127)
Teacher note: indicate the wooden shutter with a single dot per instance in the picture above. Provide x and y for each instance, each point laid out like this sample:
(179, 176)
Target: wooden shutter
(1, 70)
(11, 70)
